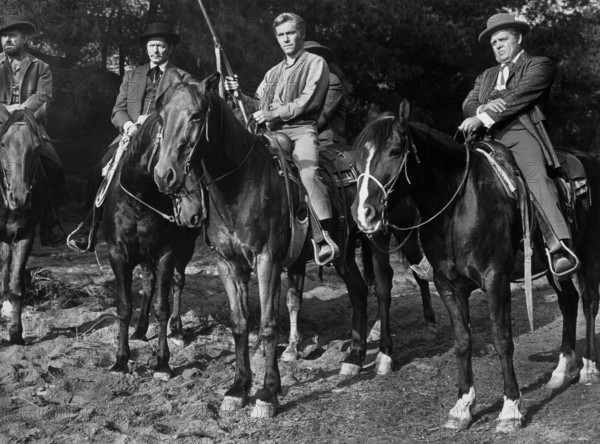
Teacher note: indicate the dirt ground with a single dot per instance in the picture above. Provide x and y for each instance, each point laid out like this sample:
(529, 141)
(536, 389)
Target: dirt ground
(57, 388)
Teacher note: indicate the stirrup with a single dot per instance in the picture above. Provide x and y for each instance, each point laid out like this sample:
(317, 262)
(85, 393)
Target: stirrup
(568, 272)
(335, 251)
(73, 245)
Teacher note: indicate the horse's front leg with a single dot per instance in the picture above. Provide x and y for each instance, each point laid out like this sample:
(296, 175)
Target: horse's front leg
(235, 279)
(20, 252)
(164, 279)
(175, 325)
(456, 300)
(269, 287)
(357, 291)
(123, 274)
(567, 369)
(294, 304)
(5, 257)
(498, 292)
(148, 281)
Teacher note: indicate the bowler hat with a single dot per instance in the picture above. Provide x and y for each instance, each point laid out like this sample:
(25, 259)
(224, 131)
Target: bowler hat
(160, 30)
(12, 22)
(501, 21)
(317, 48)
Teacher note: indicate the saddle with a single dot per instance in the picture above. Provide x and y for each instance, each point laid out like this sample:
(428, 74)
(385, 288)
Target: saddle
(571, 182)
(337, 172)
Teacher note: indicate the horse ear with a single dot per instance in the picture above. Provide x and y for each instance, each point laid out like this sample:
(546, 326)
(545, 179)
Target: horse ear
(373, 112)
(404, 111)
(211, 83)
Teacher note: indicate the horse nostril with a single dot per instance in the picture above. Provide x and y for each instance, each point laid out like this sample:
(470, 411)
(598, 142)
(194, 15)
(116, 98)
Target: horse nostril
(195, 220)
(369, 212)
(171, 178)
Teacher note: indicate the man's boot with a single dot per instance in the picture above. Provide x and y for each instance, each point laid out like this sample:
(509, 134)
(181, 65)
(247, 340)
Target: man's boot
(326, 250)
(83, 238)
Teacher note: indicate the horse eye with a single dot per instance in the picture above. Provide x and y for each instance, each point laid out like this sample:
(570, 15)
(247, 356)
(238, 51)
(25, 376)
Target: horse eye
(196, 117)
(396, 152)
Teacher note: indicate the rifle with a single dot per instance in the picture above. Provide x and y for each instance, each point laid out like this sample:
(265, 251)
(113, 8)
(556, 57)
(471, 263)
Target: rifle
(218, 53)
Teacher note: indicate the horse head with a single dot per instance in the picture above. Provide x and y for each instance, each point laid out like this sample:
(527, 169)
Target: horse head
(380, 154)
(188, 204)
(20, 140)
(185, 113)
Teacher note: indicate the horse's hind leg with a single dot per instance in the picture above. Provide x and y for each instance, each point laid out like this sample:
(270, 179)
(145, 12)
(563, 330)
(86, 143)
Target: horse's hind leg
(294, 303)
(269, 286)
(164, 280)
(148, 280)
(589, 280)
(567, 369)
(357, 291)
(123, 274)
(235, 281)
(499, 298)
(457, 303)
(20, 253)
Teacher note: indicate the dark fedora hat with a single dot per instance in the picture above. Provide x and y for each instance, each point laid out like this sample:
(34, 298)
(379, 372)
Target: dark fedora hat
(12, 22)
(317, 48)
(501, 21)
(160, 30)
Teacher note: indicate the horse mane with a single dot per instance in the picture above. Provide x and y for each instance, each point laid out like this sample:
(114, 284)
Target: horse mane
(376, 132)
(436, 140)
(20, 115)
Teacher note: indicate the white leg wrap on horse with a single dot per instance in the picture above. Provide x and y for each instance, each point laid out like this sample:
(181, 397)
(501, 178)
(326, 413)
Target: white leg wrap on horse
(565, 372)
(510, 418)
(589, 373)
(384, 364)
(291, 353)
(375, 334)
(232, 403)
(349, 369)
(460, 417)
(7, 309)
(263, 410)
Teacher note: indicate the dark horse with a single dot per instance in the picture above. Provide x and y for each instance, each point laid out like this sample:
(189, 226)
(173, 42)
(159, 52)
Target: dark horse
(248, 223)
(138, 230)
(470, 234)
(21, 208)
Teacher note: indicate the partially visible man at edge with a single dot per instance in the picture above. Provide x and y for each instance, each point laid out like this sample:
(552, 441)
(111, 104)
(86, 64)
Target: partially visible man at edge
(140, 89)
(505, 101)
(26, 83)
(290, 100)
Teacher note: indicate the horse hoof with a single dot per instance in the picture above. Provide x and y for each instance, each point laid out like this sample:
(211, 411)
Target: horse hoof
(564, 374)
(349, 369)
(383, 364)
(458, 424)
(263, 409)
(509, 425)
(139, 337)
(162, 375)
(232, 403)
(119, 369)
(589, 373)
(290, 354)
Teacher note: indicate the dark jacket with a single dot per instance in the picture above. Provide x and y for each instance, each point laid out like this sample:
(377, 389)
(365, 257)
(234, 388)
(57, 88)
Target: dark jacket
(35, 84)
(332, 121)
(527, 87)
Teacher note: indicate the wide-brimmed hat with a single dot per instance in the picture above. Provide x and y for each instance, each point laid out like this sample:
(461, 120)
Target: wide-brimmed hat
(160, 30)
(317, 48)
(501, 21)
(12, 22)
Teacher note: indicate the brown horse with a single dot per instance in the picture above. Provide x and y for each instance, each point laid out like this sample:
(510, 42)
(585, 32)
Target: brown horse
(21, 208)
(470, 234)
(140, 230)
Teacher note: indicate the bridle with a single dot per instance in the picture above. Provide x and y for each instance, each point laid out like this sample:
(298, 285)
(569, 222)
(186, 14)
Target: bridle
(388, 188)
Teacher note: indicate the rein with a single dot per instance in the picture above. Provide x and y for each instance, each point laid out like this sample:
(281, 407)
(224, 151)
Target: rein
(388, 188)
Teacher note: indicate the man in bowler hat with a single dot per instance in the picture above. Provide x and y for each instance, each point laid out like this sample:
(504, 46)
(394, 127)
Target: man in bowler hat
(506, 101)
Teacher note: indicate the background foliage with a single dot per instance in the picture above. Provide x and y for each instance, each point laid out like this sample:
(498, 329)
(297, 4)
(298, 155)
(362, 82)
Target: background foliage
(426, 51)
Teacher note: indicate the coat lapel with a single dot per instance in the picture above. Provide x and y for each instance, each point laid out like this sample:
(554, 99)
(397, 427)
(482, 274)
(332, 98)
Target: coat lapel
(25, 64)
(517, 68)
(165, 80)
(139, 80)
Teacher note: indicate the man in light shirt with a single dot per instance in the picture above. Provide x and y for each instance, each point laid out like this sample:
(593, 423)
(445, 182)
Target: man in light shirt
(506, 102)
(141, 88)
(290, 99)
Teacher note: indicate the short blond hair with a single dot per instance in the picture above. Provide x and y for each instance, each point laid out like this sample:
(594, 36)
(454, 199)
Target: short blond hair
(290, 17)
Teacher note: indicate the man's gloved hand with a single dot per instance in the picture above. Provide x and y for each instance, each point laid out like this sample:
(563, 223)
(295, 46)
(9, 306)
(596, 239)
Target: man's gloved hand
(231, 83)
(129, 128)
(12, 108)
(140, 121)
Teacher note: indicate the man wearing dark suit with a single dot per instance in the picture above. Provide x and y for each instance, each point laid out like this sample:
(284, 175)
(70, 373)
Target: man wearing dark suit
(140, 90)
(26, 83)
(506, 100)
